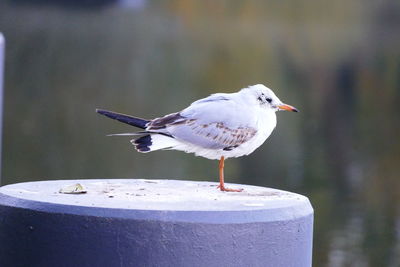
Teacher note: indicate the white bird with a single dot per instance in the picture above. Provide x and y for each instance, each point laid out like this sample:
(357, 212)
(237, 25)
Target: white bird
(219, 126)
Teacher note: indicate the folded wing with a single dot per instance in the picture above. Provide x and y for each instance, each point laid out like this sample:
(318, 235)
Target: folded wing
(216, 122)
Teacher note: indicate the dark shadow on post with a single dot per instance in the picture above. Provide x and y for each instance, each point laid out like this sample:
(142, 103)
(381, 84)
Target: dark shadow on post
(2, 57)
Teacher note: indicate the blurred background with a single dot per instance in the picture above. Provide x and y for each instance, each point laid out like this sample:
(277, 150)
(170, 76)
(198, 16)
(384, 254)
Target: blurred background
(336, 61)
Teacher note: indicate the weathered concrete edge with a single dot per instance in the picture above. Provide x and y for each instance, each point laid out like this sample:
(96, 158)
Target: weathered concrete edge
(304, 209)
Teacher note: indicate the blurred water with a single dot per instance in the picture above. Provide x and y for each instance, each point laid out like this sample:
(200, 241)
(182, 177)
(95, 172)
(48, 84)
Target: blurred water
(337, 61)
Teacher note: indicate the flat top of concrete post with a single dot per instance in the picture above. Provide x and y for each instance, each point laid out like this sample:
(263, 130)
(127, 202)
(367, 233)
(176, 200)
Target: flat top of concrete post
(126, 195)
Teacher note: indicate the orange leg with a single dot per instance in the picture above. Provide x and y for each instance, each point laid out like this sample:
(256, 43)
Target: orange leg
(221, 178)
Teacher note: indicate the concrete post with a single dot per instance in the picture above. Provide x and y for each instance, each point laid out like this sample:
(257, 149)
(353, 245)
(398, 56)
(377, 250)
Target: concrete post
(152, 223)
(2, 58)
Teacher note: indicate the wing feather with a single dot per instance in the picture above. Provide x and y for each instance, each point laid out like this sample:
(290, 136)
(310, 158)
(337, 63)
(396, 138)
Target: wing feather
(163, 122)
(215, 122)
(217, 135)
(213, 135)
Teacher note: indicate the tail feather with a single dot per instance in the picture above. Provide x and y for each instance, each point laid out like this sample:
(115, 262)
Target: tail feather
(151, 142)
(143, 143)
(128, 134)
(134, 121)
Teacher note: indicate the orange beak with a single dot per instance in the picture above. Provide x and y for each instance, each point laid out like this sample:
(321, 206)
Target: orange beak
(287, 107)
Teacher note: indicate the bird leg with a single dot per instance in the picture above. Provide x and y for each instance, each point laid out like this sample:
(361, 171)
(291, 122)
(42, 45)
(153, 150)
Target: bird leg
(221, 178)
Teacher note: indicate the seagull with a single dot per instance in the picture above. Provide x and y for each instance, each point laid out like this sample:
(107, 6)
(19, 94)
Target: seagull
(217, 127)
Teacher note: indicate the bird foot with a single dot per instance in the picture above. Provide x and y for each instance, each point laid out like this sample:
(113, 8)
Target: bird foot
(223, 188)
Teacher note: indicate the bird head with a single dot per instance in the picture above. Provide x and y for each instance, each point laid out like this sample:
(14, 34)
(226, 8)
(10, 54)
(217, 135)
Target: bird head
(265, 97)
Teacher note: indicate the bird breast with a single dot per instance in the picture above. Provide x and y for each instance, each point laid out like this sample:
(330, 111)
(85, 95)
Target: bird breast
(266, 123)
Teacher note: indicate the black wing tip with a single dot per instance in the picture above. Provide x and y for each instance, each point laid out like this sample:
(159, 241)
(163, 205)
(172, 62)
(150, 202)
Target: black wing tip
(128, 119)
(143, 143)
(102, 111)
(107, 113)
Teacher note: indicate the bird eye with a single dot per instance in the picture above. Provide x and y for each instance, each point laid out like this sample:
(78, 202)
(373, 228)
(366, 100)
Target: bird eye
(269, 100)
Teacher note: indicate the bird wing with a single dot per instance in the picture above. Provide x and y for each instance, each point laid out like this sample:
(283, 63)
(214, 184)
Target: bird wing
(163, 122)
(215, 122)
(213, 135)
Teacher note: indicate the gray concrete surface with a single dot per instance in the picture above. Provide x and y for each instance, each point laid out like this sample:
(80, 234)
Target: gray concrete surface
(136, 222)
